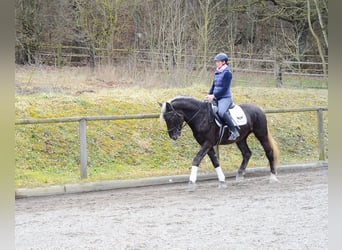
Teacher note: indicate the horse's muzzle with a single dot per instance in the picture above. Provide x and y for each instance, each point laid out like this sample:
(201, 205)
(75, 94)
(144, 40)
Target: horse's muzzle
(174, 136)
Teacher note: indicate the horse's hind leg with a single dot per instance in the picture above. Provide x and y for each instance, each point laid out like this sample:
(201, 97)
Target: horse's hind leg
(271, 150)
(246, 155)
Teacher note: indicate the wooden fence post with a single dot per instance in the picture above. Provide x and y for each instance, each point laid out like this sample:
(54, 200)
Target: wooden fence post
(59, 56)
(321, 134)
(278, 73)
(91, 57)
(83, 149)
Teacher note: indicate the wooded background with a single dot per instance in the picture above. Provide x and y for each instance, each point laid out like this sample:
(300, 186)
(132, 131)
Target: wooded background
(172, 34)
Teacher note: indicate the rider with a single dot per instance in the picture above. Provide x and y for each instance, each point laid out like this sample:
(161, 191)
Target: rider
(220, 90)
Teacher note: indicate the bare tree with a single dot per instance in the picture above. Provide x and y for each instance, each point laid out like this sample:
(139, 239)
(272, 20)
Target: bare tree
(28, 30)
(319, 46)
(320, 18)
(295, 14)
(172, 29)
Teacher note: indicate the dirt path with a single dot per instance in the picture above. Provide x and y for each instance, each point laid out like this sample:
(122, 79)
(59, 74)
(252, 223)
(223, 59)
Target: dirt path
(249, 215)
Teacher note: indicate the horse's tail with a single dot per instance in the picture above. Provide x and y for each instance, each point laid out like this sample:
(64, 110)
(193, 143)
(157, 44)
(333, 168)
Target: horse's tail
(275, 149)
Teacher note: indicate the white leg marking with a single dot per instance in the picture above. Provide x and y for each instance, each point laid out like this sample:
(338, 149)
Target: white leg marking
(220, 174)
(273, 178)
(221, 177)
(193, 175)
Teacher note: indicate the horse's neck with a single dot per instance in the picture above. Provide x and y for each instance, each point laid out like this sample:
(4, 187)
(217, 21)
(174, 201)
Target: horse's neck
(188, 108)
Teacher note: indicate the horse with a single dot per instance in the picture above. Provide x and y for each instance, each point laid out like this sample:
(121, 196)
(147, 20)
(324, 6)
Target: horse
(200, 117)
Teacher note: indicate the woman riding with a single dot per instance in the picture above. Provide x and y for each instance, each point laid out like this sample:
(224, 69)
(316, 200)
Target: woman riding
(220, 91)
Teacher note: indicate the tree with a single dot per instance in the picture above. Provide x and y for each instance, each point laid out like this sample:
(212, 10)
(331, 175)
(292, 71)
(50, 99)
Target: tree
(171, 29)
(99, 24)
(27, 30)
(294, 13)
(319, 46)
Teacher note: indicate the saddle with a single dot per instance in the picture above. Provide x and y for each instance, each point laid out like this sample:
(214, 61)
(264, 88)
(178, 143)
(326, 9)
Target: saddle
(236, 112)
(238, 115)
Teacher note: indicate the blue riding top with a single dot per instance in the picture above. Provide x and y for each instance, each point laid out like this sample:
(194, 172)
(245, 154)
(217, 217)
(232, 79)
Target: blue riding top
(221, 83)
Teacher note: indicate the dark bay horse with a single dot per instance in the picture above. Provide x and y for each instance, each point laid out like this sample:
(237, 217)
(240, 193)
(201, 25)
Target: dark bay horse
(198, 115)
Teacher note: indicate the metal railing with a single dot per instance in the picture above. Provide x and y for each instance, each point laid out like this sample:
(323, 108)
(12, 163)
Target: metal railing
(83, 128)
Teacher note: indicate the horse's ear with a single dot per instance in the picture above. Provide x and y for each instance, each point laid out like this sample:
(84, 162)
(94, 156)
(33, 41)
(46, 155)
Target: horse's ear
(168, 106)
(160, 104)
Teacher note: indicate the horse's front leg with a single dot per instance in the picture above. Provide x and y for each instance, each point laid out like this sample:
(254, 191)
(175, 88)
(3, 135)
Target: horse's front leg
(218, 169)
(195, 164)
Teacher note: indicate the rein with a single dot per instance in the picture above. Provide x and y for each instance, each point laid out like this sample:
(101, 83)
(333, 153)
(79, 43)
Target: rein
(193, 116)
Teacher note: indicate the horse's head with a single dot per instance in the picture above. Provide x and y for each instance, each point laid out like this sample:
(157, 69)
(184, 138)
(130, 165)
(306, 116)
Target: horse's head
(173, 119)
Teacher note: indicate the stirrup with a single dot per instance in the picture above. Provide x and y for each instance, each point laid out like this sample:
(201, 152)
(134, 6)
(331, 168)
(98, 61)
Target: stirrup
(234, 135)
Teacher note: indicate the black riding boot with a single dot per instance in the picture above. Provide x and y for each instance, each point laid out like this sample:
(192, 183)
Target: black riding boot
(234, 132)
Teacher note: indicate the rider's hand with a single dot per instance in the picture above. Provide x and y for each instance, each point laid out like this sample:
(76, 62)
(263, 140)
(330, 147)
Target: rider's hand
(209, 98)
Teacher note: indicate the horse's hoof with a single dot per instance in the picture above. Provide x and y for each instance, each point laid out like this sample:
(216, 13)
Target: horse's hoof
(273, 179)
(239, 178)
(222, 185)
(192, 186)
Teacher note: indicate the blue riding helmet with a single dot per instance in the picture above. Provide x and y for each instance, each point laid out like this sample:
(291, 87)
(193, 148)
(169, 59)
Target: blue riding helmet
(221, 57)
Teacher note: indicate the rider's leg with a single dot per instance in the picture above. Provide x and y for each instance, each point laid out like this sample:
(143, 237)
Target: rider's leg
(228, 120)
(223, 106)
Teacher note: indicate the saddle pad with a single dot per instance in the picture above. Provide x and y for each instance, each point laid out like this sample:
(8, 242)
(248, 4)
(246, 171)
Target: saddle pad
(238, 115)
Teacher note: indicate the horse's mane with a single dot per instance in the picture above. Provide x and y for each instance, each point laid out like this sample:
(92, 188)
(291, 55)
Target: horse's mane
(180, 98)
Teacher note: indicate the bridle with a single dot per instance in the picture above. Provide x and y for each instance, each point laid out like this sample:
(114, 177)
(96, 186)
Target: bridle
(175, 113)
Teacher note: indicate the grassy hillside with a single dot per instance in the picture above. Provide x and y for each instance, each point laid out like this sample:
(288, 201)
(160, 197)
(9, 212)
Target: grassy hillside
(48, 154)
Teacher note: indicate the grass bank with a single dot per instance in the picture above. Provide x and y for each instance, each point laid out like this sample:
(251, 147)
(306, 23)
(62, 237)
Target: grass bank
(48, 154)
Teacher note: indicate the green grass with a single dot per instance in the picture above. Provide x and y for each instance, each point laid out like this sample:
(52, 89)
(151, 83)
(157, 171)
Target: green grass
(48, 154)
